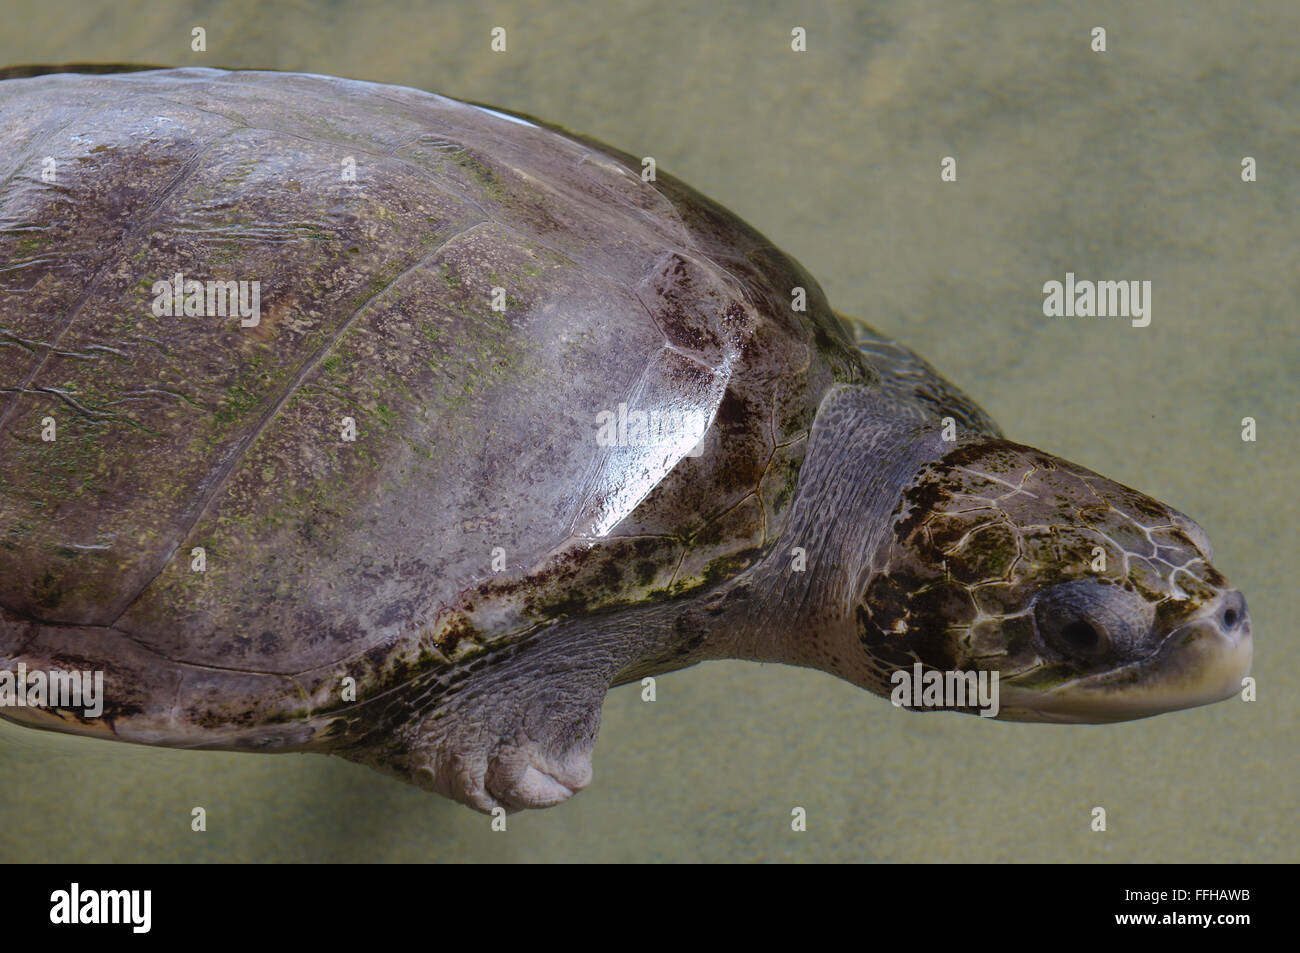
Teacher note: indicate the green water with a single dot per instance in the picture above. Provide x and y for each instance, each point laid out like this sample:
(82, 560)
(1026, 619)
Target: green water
(1121, 165)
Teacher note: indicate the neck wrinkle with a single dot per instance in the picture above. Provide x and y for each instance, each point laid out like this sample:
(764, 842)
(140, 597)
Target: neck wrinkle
(860, 460)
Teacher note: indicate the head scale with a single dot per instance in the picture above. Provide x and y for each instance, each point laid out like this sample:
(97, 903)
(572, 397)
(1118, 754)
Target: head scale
(1091, 601)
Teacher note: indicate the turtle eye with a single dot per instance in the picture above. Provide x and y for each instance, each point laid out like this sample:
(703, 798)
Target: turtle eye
(1080, 637)
(1084, 620)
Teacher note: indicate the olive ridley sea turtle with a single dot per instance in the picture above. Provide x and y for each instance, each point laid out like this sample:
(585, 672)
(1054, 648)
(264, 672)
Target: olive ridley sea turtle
(343, 417)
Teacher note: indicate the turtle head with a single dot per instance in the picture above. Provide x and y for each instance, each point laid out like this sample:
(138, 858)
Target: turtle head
(1091, 601)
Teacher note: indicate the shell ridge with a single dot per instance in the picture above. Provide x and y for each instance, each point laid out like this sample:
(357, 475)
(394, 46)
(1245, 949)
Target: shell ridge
(260, 427)
(133, 231)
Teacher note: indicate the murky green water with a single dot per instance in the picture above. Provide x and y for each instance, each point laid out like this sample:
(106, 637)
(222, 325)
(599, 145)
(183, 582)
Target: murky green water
(1117, 165)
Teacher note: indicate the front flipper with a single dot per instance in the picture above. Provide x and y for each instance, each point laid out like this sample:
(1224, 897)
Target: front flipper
(913, 386)
(517, 732)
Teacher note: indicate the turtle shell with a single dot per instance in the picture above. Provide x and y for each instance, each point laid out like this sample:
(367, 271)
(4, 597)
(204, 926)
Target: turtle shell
(442, 428)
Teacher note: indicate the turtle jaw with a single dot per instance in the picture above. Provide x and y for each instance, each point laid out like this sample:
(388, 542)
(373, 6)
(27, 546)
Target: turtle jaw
(1201, 661)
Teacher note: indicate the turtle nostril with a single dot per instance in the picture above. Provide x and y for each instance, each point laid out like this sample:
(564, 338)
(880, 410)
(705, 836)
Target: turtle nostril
(1234, 612)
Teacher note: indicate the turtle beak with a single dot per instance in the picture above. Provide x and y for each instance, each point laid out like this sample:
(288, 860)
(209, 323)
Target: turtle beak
(1201, 661)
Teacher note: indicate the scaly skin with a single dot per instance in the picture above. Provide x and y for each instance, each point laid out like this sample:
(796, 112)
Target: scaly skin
(997, 549)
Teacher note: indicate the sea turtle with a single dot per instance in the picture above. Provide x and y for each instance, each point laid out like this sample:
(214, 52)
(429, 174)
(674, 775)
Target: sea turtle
(504, 422)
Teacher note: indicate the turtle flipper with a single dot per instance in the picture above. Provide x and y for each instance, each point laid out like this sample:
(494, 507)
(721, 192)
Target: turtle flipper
(518, 735)
(518, 746)
(912, 385)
